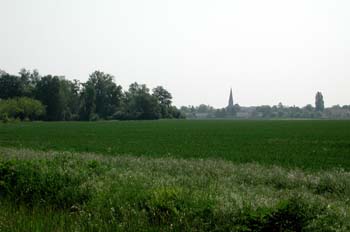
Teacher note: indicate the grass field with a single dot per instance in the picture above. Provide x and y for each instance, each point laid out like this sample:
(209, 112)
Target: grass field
(303, 144)
(175, 176)
(60, 191)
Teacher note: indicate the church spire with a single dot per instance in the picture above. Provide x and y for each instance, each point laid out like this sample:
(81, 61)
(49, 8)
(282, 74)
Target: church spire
(230, 100)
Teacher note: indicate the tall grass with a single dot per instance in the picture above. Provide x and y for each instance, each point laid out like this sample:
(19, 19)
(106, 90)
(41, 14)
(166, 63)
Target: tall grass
(62, 191)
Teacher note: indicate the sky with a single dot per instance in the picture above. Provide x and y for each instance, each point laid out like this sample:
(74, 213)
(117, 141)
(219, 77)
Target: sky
(268, 51)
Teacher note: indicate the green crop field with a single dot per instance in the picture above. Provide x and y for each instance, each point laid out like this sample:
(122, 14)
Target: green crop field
(175, 175)
(303, 144)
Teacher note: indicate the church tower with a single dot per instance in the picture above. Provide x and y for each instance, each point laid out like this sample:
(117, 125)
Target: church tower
(230, 100)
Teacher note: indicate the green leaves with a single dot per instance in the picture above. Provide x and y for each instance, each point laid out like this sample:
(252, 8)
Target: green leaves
(22, 108)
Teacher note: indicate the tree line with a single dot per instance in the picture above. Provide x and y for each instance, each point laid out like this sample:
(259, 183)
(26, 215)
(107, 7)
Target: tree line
(31, 96)
(318, 110)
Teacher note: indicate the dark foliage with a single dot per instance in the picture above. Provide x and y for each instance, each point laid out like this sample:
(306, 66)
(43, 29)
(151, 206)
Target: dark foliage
(98, 98)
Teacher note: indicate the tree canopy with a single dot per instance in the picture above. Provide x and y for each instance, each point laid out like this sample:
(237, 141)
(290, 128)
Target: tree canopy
(98, 98)
(319, 103)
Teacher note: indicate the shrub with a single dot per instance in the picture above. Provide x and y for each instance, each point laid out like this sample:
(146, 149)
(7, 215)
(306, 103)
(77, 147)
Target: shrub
(21, 108)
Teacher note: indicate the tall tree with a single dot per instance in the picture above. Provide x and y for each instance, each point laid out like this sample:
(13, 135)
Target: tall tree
(11, 86)
(108, 95)
(140, 104)
(319, 102)
(70, 91)
(2, 72)
(29, 80)
(88, 99)
(48, 91)
(164, 100)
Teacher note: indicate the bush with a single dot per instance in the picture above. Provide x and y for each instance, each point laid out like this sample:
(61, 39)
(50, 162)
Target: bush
(21, 108)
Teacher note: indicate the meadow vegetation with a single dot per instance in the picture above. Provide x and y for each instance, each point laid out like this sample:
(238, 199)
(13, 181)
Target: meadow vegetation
(64, 191)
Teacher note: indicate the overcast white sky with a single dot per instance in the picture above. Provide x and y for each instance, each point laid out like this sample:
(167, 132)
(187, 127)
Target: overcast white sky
(268, 51)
